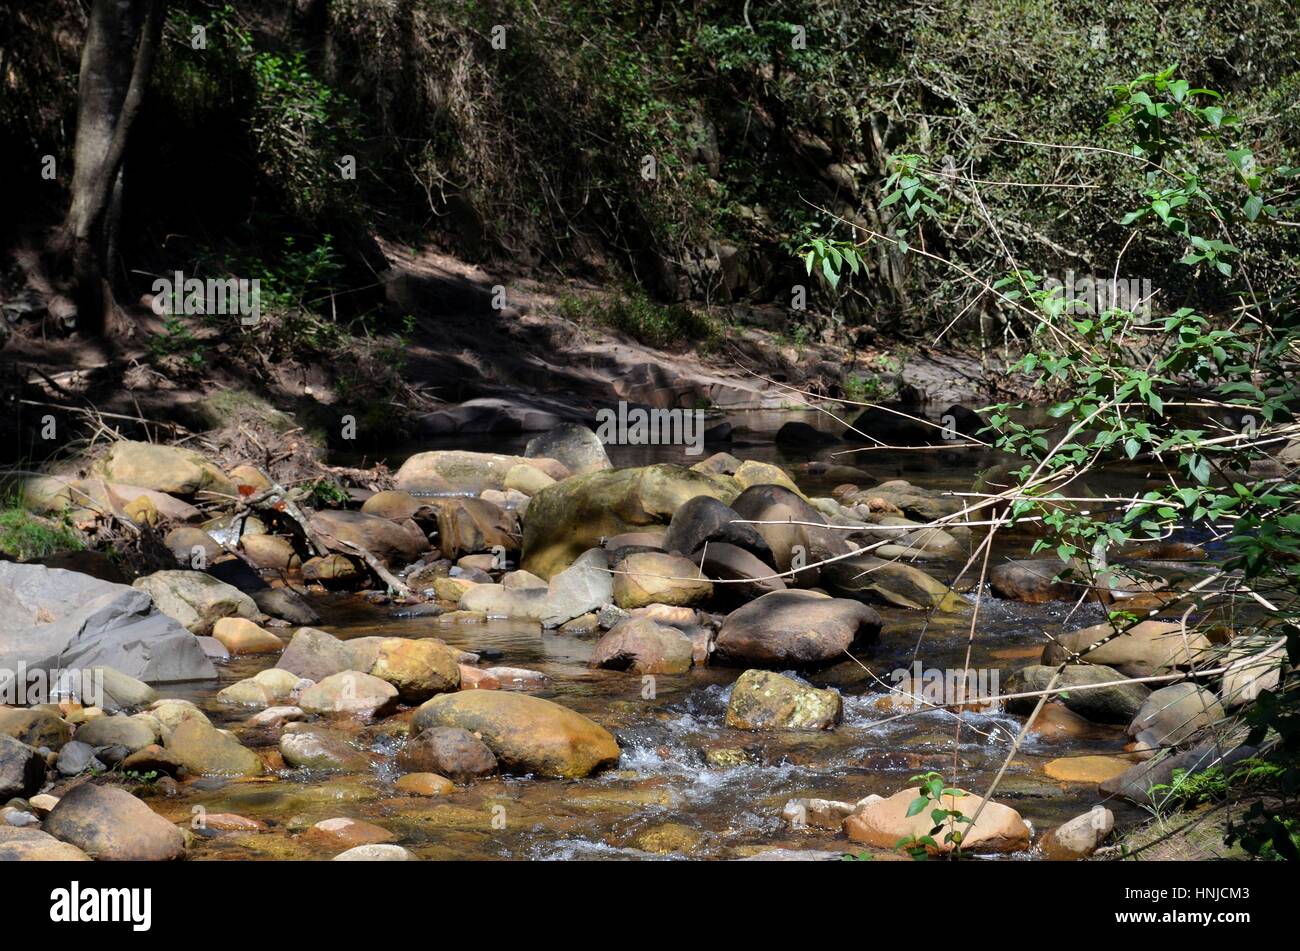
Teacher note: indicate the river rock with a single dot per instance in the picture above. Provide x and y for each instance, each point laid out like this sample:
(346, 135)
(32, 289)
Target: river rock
(75, 758)
(572, 516)
(22, 769)
(192, 547)
(576, 447)
(1033, 581)
(915, 502)
(800, 629)
(110, 824)
(196, 599)
(32, 845)
(763, 700)
(264, 689)
(343, 832)
(206, 751)
(333, 571)
(169, 469)
(129, 732)
(527, 479)
(527, 734)
(417, 668)
(391, 542)
(737, 574)
(806, 539)
(315, 655)
(494, 600)
(893, 424)
(34, 726)
(285, 604)
(705, 519)
(274, 552)
(884, 822)
(1086, 769)
(1147, 646)
(461, 471)
(652, 577)
(466, 526)
(799, 433)
(351, 693)
(323, 751)
(1114, 704)
(891, 582)
(395, 505)
(241, 636)
(56, 619)
(448, 751)
(643, 647)
(1172, 715)
(585, 586)
(375, 852)
(1080, 837)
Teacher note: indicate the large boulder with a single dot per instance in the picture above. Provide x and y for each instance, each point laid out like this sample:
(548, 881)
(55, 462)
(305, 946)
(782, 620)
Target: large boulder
(33, 845)
(883, 822)
(799, 629)
(417, 668)
(1147, 646)
(169, 469)
(110, 824)
(196, 599)
(586, 585)
(1033, 581)
(34, 726)
(466, 526)
(890, 582)
(315, 655)
(655, 577)
(924, 505)
(527, 734)
(102, 496)
(572, 516)
(55, 619)
(322, 751)
(350, 693)
(1117, 703)
(764, 700)
(206, 751)
(705, 519)
(576, 447)
(448, 751)
(893, 424)
(22, 769)
(738, 576)
(1172, 715)
(804, 540)
(131, 733)
(389, 541)
(460, 471)
(643, 647)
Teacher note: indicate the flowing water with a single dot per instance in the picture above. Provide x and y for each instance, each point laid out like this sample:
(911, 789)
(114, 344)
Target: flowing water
(680, 763)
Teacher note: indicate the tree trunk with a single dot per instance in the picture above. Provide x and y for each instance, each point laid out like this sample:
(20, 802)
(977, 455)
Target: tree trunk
(121, 42)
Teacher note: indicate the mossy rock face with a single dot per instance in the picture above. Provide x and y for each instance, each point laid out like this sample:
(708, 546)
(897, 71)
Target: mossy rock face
(572, 516)
(762, 700)
(526, 734)
(206, 751)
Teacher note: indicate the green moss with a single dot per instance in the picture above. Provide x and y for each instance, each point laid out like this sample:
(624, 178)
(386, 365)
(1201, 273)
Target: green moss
(26, 536)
